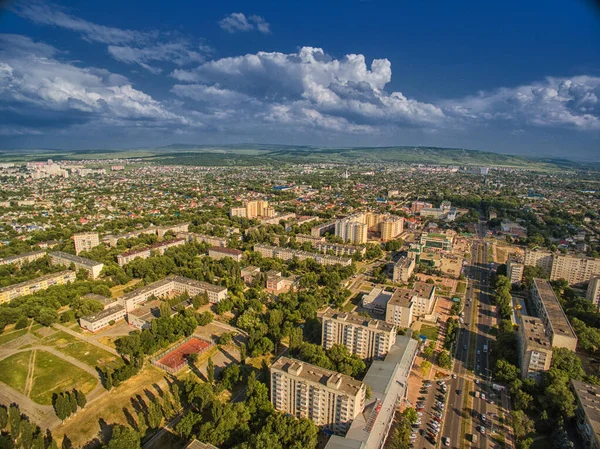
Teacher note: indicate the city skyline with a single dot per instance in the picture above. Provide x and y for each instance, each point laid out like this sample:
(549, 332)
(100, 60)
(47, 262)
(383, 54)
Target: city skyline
(366, 74)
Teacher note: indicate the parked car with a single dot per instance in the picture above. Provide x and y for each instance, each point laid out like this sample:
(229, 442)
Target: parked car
(446, 441)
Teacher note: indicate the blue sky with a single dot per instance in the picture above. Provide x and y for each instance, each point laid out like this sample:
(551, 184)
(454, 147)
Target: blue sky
(513, 76)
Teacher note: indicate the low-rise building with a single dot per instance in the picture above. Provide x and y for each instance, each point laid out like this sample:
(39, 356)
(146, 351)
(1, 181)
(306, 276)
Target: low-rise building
(288, 254)
(30, 287)
(403, 269)
(548, 309)
(301, 238)
(366, 338)
(201, 238)
(587, 414)
(249, 274)
(442, 242)
(322, 229)
(20, 259)
(104, 318)
(329, 399)
(535, 348)
(220, 253)
(376, 300)
(340, 250)
(162, 230)
(142, 316)
(81, 263)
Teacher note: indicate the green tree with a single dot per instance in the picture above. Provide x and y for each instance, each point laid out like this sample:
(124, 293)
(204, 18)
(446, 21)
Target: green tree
(14, 421)
(444, 360)
(155, 414)
(80, 397)
(124, 438)
(3, 417)
(210, 371)
(522, 424)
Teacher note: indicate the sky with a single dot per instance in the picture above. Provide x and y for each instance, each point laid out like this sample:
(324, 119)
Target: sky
(518, 77)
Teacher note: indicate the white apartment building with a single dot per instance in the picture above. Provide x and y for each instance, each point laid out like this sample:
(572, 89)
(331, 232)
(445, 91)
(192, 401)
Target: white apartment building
(11, 292)
(539, 258)
(403, 269)
(593, 291)
(201, 238)
(287, 254)
(399, 309)
(85, 241)
(391, 227)
(535, 349)
(366, 338)
(514, 268)
(575, 269)
(143, 253)
(23, 258)
(352, 229)
(329, 399)
(81, 263)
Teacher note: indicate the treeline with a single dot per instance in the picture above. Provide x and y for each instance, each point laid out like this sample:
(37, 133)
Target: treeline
(13, 274)
(17, 431)
(66, 403)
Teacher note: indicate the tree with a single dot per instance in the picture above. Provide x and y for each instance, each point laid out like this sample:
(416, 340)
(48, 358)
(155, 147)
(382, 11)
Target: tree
(72, 401)
(22, 323)
(429, 351)
(522, 424)
(26, 438)
(80, 397)
(505, 371)
(425, 367)
(192, 358)
(124, 438)
(210, 371)
(155, 415)
(62, 406)
(560, 439)
(225, 339)
(14, 421)
(142, 423)
(3, 417)
(522, 400)
(243, 353)
(444, 360)
(410, 414)
(568, 362)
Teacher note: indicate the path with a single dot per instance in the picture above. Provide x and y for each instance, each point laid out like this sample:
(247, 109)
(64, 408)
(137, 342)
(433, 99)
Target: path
(86, 339)
(30, 369)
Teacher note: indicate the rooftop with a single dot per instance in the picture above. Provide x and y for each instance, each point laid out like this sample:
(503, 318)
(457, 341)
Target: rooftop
(76, 259)
(36, 280)
(401, 297)
(589, 396)
(103, 313)
(151, 247)
(534, 333)
(21, 256)
(556, 315)
(423, 289)
(220, 249)
(359, 320)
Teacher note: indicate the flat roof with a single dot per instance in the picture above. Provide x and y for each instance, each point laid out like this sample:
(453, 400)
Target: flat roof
(21, 256)
(535, 333)
(589, 396)
(103, 314)
(220, 249)
(77, 259)
(359, 320)
(318, 375)
(423, 289)
(148, 308)
(151, 247)
(401, 297)
(36, 280)
(556, 315)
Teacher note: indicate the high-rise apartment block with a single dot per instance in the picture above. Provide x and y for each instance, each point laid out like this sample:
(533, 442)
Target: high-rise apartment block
(253, 209)
(514, 268)
(593, 291)
(352, 229)
(329, 399)
(575, 269)
(391, 227)
(535, 348)
(367, 338)
(587, 415)
(85, 241)
(548, 309)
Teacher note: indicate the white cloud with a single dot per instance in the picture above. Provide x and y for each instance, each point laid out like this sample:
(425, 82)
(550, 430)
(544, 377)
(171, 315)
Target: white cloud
(128, 46)
(37, 86)
(238, 21)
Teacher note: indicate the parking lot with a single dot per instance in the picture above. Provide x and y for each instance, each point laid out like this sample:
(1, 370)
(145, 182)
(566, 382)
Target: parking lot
(430, 406)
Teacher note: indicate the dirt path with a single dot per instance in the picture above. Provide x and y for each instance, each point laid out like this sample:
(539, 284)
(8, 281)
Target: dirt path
(86, 339)
(30, 369)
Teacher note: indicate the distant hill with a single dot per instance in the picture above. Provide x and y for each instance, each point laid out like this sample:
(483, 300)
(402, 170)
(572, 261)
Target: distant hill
(257, 154)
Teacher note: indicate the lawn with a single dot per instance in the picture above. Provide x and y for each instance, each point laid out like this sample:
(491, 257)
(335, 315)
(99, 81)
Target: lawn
(81, 350)
(461, 287)
(431, 332)
(13, 370)
(54, 375)
(5, 338)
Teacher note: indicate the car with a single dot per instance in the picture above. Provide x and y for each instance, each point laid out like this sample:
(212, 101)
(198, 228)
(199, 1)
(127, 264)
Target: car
(459, 392)
(441, 382)
(446, 441)
(483, 396)
(422, 398)
(482, 430)
(453, 376)
(483, 417)
(465, 347)
(478, 352)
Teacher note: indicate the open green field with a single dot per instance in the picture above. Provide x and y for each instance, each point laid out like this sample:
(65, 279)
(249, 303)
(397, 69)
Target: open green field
(82, 351)
(13, 370)
(431, 332)
(5, 338)
(461, 287)
(53, 375)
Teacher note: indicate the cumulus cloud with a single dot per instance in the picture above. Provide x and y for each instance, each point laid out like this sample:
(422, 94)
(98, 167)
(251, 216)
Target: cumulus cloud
(38, 89)
(238, 21)
(128, 46)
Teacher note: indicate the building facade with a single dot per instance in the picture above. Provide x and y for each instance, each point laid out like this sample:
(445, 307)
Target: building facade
(329, 399)
(23, 258)
(575, 269)
(217, 252)
(539, 258)
(81, 263)
(391, 227)
(366, 338)
(399, 309)
(288, 254)
(437, 241)
(587, 415)
(514, 268)
(85, 241)
(535, 348)
(30, 287)
(593, 292)
(157, 248)
(403, 269)
(352, 230)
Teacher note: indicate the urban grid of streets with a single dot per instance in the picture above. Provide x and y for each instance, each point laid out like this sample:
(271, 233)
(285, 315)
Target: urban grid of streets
(471, 405)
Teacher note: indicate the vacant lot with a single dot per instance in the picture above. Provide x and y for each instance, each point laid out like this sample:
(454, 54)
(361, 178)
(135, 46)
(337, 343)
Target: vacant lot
(53, 375)
(13, 370)
(461, 287)
(5, 338)
(431, 332)
(81, 350)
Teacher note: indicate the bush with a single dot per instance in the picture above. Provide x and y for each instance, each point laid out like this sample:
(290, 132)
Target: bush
(22, 323)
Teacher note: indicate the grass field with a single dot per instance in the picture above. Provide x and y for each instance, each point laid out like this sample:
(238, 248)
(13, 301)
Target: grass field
(431, 332)
(53, 375)
(461, 287)
(13, 370)
(5, 338)
(82, 351)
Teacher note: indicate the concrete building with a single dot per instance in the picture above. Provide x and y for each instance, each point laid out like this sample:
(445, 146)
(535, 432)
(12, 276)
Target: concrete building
(329, 399)
(417, 206)
(201, 238)
(352, 229)
(437, 241)
(157, 248)
(91, 266)
(366, 338)
(288, 254)
(535, 348)
(423, 298)
(276, 283)
(20, 259)
(391, 227)
(587, 415)
(321, 230)
(593, 292)
(142, 316)
(217, 252)
(11, 292)
(539, 258)
(388, 382)
(302, 238)
(514, 268)
(575, 269)
(340, 250)
(112, 240)
(377, 299)
(276, 219)
(548, 309)
(94, 323)
(249, 273)
(162, 230)
(237, 212)
(399, 309)
(403, 269)
(85, 241)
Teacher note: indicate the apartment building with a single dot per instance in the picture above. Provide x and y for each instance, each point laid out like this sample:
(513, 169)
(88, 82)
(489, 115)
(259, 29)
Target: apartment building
(157, 248)
(366, 338)
(437, 241)
(162, 230)
(11, 292)
(340, 250)
(321, 230)
(377, 299)
(112, 240)
(539, 258)
(237, 211)
(217, 252)
(329, 399)
(81, 263)
(535, 348)
(587, 415)
(388, 381)
(399, 309)
(313, 240)
(249, 273)
(514, 268)
(593, 292)
(575, 269)
(201, 238)
(276, 219)
(417, 206)
(391, 227)
(403, 269)
(288, 254)
(352, 229)
(548, 309)
(20, 259)
(253, 209)
(85, 241)
(110, 315)
(423, 298)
